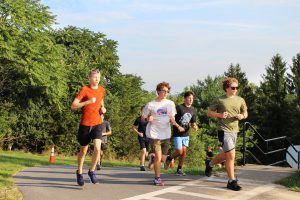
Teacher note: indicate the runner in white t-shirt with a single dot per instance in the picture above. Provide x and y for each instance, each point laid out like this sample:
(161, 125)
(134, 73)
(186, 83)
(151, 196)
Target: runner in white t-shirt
(160, 114)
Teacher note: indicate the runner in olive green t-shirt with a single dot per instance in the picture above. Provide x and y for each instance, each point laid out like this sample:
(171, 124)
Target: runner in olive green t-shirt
(228, 109)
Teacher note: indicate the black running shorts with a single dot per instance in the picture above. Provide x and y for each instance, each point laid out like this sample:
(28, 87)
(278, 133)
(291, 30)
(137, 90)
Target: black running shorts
(88, 133)
(144, 143)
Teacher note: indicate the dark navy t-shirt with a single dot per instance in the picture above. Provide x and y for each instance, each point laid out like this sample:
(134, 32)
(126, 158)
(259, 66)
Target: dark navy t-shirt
(141, 125)
(185, 116)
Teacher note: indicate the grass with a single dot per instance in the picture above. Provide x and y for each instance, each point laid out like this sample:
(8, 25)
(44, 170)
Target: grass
(292, 182)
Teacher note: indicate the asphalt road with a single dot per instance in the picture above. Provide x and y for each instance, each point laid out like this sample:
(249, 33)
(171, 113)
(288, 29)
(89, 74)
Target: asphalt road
(59, 183)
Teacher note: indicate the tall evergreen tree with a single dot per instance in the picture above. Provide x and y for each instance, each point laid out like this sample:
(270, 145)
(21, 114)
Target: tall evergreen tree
(294, 78)
(271, 103)
(293, 100)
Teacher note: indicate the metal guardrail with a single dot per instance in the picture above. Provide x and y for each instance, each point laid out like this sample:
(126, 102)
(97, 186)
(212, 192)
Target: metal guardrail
(246, 126)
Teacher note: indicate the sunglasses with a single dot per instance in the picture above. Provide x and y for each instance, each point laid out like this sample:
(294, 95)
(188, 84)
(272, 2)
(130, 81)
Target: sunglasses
(165, 91)
(234, 88)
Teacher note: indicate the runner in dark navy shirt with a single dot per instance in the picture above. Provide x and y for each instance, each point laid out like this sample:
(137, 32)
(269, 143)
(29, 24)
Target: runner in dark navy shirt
(140, 128)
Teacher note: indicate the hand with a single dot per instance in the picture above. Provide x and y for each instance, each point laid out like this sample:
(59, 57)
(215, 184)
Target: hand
(195, 127)
(141, 134)
(240, 116)
(103, 110)
(181, 129)
(93, 100)
(224, 115)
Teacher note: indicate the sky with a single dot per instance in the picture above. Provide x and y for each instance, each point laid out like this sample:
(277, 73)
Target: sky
(182, 41)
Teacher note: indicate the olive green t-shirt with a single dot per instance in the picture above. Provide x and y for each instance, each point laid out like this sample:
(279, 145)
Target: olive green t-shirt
(233, 105)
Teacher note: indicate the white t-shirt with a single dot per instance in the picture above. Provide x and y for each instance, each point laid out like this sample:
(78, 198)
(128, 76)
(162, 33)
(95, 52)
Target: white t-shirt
(161, 111)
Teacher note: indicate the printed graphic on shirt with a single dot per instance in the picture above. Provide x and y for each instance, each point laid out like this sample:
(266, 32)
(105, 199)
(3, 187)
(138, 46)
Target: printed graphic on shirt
(185, 119)
(162, 111)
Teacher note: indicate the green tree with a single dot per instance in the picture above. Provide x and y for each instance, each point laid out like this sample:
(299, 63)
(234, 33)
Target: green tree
(8, 119)
(28, 55)
(86, 50)
(294, 78)
(205, 92)
(124, 101)
(271, 103)
(293, 100)
(30, 62)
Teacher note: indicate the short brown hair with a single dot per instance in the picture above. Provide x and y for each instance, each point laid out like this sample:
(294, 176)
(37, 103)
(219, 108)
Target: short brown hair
(228, 81)
(94, 71)
(188, 93)
(161, 85)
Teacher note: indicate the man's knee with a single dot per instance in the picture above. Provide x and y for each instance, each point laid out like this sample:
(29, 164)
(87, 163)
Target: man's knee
(83, 150)
(97, 149)
(158, 156)
(180, 151)
(144, 151)
(81, 153)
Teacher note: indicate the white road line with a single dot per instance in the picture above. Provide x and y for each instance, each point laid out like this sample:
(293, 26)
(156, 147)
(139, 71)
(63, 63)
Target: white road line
(151, 195)
(200, 184)
(199, 195)
(242, 181)
(242, 195)
(157, 198)
(210, 187)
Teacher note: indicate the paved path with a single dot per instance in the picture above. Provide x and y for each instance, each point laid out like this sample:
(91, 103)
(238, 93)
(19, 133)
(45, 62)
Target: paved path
(58, 183)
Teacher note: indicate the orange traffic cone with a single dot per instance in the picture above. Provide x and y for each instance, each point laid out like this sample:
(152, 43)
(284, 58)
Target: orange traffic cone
(172, 163)
(52, 157)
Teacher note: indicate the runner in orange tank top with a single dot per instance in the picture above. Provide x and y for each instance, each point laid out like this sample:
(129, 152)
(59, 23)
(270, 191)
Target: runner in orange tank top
(91, 99)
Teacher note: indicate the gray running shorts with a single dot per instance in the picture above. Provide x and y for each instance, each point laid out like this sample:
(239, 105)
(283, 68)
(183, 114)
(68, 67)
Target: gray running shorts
(228, 140)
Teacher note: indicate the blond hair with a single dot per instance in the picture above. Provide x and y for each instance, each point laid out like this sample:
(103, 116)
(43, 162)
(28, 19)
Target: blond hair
(94, 71)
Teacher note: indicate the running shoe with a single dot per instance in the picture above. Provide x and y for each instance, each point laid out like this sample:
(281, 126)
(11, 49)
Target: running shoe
(93, 177)
(233, 185)
(158, 182)
(167, 162)
(98, 166)
(180, 173)
(142, 168)
(79, 178)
